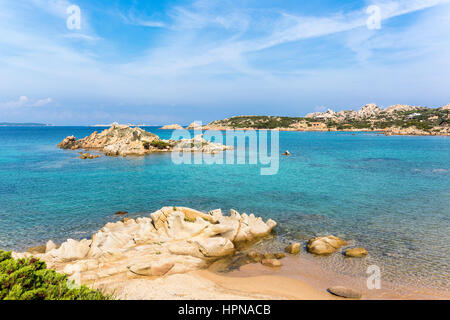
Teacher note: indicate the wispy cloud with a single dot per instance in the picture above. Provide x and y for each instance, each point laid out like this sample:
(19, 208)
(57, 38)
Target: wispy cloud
(24, 102)
(216, 55)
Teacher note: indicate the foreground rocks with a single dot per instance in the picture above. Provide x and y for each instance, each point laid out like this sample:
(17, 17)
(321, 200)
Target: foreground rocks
(122, 140)
(325, 245)
(172, 240)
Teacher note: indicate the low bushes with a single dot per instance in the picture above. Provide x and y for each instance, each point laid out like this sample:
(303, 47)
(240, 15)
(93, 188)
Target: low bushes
(29, 279)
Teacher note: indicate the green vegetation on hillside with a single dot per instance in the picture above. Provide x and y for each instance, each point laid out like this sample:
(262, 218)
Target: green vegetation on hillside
(29, 279)
(259, 122)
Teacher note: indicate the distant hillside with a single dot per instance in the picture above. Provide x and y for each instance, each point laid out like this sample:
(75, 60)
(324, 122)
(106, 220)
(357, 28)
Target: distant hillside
(31, 124)
(397, 120)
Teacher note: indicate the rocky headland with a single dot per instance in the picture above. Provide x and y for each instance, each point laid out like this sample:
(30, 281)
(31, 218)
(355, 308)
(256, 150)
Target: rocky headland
(394, 120)
(123, 140)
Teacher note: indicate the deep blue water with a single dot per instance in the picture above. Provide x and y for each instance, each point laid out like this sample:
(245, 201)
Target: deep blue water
(388, 194)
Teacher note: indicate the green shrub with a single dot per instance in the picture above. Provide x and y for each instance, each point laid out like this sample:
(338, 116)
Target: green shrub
(159, 144)
(29, 279)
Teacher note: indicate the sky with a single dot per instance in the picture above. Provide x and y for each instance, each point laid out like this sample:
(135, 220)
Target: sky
(154, 62)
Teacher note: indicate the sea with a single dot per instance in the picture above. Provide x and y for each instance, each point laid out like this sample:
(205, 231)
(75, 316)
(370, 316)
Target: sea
(388, 194)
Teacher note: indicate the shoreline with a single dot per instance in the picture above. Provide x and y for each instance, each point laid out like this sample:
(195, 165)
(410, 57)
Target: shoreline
(294, 281)
(298, 278)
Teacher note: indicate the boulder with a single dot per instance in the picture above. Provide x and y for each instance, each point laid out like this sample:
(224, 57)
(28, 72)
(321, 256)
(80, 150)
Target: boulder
(279, 255)
(293, 248)
(71, 250)
(273, 263)
(325, 245)
(356, 252)
(50, 246)
(121, 213)
(255, 257)
(345, 292)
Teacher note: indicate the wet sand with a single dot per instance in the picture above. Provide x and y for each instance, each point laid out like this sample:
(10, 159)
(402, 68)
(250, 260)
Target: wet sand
(297, 279)
(306, 279)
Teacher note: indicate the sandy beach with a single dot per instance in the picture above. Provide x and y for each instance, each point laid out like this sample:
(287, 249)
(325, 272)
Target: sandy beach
(297, 279)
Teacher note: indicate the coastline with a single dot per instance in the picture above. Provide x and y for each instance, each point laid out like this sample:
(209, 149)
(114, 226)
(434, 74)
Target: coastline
(296, 280)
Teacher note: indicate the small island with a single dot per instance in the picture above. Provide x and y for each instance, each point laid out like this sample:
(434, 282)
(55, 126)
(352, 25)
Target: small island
(123, 140)
(171, 127)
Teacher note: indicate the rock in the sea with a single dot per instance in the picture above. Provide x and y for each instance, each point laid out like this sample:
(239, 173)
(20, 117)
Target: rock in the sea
(356, 252)
(172, 240)
(122, 140)
(345, 292)
(171, 127)
(37, 249)
(273, 263)
(120, 213)
(255, 256)
(280, 255)
(325, 245)
(293, 248)
(88, 156)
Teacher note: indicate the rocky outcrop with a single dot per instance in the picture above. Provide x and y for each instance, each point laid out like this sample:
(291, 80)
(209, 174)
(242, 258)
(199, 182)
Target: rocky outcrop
(413, 131)
(325, 245)
(171, 127)
(172, 240)
(194, 126)
(122, 140)
(447, 107)
(88, 156)
(356, 252)
(118, 140)
(199, 144)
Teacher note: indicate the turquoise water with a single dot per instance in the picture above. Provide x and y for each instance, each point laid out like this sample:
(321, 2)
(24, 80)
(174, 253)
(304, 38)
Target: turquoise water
(388, 194)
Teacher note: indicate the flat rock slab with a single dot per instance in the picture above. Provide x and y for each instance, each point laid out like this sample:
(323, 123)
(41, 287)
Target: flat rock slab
(345, 292)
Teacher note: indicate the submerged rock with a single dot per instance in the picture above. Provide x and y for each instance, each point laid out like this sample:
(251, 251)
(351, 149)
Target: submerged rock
(255, 257)
(325, 245)
(273, 263)
(345, 292)
(293, 248)
(88, 156)
(356, 252)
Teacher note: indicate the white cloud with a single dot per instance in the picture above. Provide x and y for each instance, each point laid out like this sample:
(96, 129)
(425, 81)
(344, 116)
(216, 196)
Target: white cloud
(24, 102)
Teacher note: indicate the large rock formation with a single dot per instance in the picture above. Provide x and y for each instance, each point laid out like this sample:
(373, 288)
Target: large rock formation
(122, 140)
(172, 240)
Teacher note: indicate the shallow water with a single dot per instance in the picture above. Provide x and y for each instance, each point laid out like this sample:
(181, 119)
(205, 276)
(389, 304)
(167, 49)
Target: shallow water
(390, 195)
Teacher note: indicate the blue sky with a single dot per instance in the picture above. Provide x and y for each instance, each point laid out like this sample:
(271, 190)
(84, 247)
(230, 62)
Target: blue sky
(169, 61)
